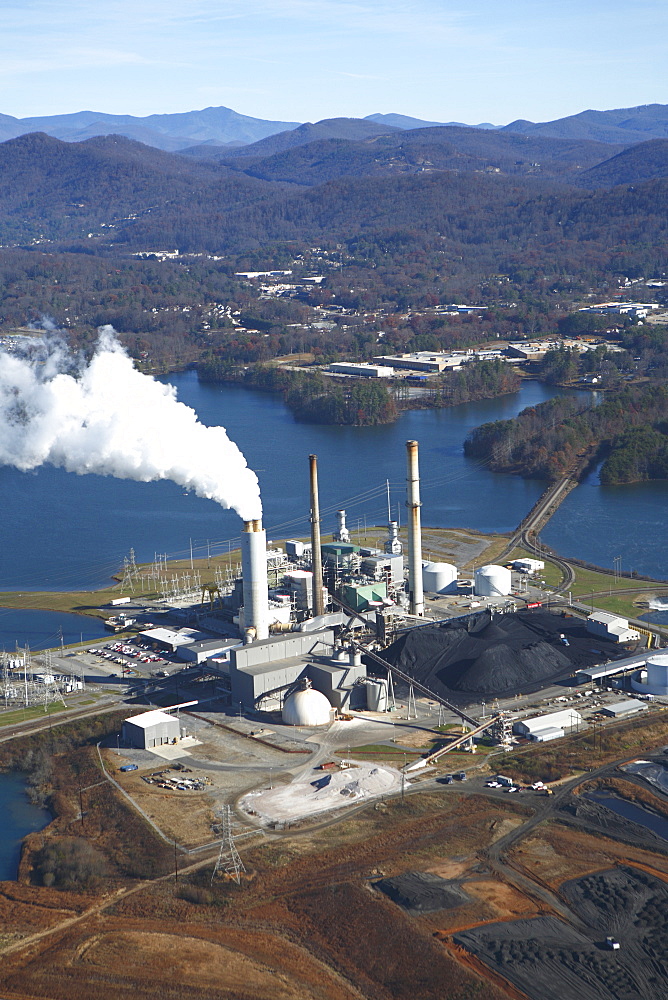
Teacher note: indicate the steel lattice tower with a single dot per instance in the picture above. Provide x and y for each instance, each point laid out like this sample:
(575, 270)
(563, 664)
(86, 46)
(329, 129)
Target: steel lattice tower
(229, 862)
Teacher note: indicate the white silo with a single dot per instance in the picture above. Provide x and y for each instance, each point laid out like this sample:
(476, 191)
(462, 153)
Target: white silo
(439, 578)
(657, 674)
(493, 581)
(307, 708)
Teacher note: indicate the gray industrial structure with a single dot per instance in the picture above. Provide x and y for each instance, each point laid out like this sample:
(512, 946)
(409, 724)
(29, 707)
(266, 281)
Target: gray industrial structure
(264, 673)
(610, 626)
(151, 729)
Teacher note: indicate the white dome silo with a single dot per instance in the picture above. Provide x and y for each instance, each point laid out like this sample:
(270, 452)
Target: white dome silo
(493, 581)
(306, 708)
(439, 578)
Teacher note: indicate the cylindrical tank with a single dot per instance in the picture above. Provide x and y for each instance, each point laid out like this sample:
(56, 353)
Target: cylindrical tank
(657, 673)
(306, 708)
(493, 581)
(439, 578)
(376, 695)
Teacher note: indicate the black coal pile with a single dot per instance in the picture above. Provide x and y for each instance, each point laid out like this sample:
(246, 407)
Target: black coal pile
(497, 655)
(422, 892)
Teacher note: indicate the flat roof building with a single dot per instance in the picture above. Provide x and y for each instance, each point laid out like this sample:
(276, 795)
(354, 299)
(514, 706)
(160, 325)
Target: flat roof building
(624, 708)
(151, 729)
(568, 718)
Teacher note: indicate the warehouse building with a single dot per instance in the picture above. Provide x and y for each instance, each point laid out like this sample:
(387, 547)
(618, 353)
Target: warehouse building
(542, 728)
(361, 370)
(151, 729)
(611, 627)
(624, 708)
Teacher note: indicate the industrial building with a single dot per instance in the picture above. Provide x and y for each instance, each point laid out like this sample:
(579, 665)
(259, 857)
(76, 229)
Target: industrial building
(361, 370)
(622, 709)
(265, 674)
(529, 565)
(611, 627)
(151, 729)
(205, 649)
(542, 728)
(170, 640)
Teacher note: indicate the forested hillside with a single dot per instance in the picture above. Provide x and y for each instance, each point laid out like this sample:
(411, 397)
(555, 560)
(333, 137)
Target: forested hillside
(549, 440)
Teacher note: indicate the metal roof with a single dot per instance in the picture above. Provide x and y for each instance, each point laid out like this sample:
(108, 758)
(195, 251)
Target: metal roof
(625, 707)
(151, 719)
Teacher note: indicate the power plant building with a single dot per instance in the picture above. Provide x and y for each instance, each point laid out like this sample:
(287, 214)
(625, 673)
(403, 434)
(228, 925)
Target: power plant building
(151, 729)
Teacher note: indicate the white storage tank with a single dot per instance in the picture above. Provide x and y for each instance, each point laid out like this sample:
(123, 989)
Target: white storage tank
(307, 708)
(376, 695)
(493, 581)
(657, 673)
(439, 578)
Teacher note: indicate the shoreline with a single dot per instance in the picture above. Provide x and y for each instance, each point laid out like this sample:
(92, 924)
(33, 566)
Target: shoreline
(590, 578)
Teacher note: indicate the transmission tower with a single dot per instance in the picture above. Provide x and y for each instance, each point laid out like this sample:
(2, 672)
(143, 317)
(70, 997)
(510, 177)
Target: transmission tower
(130, 572)
(229, 863)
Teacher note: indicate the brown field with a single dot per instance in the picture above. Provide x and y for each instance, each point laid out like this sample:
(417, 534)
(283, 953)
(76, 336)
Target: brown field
(306, 922)
(557, 853)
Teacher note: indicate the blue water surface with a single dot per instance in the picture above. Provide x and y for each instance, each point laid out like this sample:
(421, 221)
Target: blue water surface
(61, 531)
(19, 818)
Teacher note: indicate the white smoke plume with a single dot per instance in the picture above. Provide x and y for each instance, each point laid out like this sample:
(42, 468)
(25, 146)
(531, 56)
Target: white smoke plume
(106, 417)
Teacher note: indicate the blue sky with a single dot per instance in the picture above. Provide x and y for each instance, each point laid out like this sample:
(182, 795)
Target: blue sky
(299, 60)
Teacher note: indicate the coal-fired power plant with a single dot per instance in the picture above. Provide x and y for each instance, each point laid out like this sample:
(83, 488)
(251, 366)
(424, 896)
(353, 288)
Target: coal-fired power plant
(255, 584)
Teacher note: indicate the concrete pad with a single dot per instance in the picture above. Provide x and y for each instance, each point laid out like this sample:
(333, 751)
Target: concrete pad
(172, 751)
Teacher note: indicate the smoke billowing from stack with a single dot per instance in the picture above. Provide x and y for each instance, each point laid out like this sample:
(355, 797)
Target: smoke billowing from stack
(107, 418)
(415, 592)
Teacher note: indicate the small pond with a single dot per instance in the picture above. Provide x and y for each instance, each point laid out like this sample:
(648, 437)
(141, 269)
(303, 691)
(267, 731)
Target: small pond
(19, 818)
(643, 817)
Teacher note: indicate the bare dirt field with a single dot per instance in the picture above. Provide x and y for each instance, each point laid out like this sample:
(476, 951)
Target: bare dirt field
(520, 894)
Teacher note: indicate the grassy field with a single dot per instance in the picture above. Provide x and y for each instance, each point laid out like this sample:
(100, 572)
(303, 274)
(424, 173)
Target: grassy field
(16, 716)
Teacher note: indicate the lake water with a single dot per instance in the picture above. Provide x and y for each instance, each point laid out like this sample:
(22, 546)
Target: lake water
(62, 531)
(42, 629)
(19, 818)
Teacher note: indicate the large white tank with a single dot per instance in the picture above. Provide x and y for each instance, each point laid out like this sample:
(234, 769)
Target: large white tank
(376, 695)
(493, 581)
(657, 674)
(439, 578)
(306, 708)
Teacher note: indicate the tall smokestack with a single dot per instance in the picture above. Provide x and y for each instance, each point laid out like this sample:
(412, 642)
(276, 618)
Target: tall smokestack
(316, 554)
(415, 593)
(254, 571)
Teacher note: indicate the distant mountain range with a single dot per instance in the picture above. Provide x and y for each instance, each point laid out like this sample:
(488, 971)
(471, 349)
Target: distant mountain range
(221, 130)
